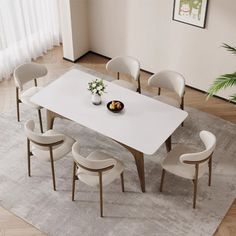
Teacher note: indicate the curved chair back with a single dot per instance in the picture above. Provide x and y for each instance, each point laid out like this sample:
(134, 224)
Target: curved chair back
(90, 165)
(209, 141)
(29, 71)
(39, 139)
(124, 64)
(170, 80)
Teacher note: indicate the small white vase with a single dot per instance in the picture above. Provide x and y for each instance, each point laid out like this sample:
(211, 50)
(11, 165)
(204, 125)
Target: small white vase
(96, 99)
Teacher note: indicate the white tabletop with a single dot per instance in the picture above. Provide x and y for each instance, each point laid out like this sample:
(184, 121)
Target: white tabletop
(144, 124)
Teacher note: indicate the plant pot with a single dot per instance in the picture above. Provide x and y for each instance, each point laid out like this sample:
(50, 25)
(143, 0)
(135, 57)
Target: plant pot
(96, 99)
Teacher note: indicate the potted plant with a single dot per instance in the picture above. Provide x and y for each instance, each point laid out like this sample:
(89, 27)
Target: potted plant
(224, 81)
(97, 88)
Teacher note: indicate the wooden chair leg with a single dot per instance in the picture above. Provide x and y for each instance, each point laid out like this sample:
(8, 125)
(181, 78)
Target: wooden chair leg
(210, 171)
(18, 111)
(122, 181)
(195, 193)
(40, 120)
(162, 179)
(53, 172)
(101, 197)
(139, 85)
(73, 182)
(195, 186)
(182, 107)
(28, 155)
(17, 105)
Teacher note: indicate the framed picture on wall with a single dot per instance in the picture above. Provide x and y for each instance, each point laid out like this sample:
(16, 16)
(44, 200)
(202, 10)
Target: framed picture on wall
(192, 12)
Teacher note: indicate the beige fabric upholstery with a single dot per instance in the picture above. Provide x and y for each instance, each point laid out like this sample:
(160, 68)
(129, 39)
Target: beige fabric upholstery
(209, 141)
(125, 84)
(108, 177)
(168, 100)
(174, 162)
(126, 65)
(170, 80)
(97, 160)
(27, 72)
(48, 137)
(41, 138)
(25, 96)
(23, 74)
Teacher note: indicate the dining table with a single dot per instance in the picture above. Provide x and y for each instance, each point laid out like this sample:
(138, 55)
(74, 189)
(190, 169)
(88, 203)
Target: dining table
(142, 126)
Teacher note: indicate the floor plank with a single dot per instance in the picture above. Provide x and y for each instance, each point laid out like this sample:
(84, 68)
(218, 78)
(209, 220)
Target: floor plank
(11, 225)
(228, 225)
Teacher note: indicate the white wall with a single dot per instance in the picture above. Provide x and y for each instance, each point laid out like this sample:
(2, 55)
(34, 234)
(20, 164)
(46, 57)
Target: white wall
(144, 29)
(74, 24)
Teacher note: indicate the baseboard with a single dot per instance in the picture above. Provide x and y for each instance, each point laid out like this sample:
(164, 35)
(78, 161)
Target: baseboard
(146, 71)
(101, 55)
(76, 60)
(216, 96)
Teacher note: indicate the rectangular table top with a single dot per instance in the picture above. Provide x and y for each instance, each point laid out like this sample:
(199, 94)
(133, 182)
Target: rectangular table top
(144, 124)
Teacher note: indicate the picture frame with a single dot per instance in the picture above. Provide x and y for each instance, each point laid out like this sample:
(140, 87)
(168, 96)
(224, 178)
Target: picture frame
(191, 12)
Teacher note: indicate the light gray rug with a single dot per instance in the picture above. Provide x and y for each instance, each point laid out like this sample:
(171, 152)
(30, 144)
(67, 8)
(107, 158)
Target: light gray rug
(129, 213)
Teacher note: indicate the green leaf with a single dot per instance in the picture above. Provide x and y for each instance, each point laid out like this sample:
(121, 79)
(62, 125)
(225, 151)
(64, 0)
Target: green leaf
(223, 82)
(233, 98)
(229, 48)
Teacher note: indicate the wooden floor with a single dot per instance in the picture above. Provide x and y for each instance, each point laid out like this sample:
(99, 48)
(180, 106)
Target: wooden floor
(228, 225)
(56, 65)
(11, 225)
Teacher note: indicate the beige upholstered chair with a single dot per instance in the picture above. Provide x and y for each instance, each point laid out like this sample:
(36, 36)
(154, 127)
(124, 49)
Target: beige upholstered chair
(50, 146)
(171, 81)
(185, 162)
(125, 65)
(23, 74)
(97, 170)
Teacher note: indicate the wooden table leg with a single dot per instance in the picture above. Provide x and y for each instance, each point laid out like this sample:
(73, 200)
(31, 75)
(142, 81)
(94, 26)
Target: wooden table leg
(50, 119)
(138, 156)
(139, 160)
(168, 144)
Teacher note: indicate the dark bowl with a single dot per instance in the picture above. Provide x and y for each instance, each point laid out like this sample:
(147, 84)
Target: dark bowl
(116, 110)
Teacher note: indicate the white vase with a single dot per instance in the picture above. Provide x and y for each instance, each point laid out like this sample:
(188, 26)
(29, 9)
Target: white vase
(96, 99)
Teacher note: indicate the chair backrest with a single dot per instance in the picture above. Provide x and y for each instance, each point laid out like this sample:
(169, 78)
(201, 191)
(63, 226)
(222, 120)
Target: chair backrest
(170, 80)
(124, 64)
(90, 164)
(39, 138)
(209, 141)
(29, 71)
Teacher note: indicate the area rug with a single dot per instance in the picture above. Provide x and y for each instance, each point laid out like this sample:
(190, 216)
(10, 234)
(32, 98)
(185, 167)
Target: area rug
(129, 213)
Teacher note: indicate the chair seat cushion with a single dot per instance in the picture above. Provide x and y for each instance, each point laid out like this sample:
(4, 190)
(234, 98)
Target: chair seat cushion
(92, 178)
(170, 101)
(59, 151)
(173, 165)
(125, 84)
(26, 95)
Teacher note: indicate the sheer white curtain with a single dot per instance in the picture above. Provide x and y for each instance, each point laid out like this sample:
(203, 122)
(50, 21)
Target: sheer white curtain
(28, 28)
